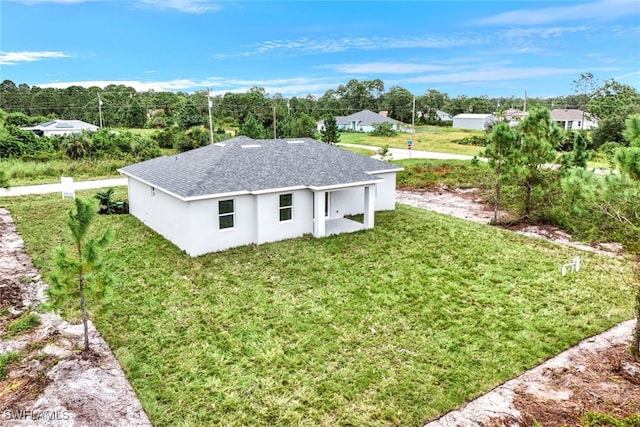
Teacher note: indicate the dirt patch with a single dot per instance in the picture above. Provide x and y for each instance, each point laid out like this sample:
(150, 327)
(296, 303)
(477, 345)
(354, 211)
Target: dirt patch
(592, 376)
(49, 382)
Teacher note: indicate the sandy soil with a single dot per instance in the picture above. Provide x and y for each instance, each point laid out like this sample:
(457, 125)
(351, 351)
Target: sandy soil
(55, 384)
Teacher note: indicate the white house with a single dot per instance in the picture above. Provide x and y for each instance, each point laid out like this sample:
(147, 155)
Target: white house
(474, 121)
(244, 191)
(62, 127)
(572, 119)
(362, 121)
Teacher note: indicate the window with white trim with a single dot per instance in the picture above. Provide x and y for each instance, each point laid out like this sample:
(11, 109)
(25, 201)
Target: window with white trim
(286, 207)
(226, 214)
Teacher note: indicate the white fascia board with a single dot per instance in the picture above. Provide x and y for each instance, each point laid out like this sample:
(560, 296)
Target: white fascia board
(279, 190)
(339, 186)
(398, 169)
(216, 196)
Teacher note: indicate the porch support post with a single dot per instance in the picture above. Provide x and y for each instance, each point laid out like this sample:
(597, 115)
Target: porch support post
(369, 206)
(318, 214)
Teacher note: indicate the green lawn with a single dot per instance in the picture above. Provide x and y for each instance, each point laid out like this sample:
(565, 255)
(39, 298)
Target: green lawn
(426, 138)
(391, 326)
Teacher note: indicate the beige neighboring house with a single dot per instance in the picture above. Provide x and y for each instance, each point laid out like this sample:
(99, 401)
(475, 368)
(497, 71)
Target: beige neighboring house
(573, 119)
(61, 127)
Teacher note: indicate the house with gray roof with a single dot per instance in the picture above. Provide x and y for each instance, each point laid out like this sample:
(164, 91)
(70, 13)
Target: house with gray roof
(574, 119)
(61, 127)
(362, 121)
(243, 191)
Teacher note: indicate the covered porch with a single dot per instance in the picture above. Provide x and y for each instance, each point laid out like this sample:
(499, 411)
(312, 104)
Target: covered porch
(342, 225)
(324, 225)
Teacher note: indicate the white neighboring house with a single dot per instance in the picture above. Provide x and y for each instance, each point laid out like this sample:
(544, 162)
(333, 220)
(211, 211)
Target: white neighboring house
(442, 115)
(362, 121)
(244, 191)
(474, 121)
(61, 127)
(572, 119)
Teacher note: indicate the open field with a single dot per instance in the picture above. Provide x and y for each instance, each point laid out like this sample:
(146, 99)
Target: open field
(426, 138)
(394, 325)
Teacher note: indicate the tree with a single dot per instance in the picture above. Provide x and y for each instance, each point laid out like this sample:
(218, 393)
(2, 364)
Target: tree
(584, 87)
(629, 157)
(303, 126)
(614, 99)
(251, 128)
(329, 131)
(538, 135)
(80, 273)
(501, 153)
(399, 102)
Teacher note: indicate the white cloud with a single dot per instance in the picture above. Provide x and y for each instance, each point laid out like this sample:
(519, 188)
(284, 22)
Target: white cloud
(603, 10)
(499, 74)
(220, 86)
(306, 45)
(13, 58)
(186, 6)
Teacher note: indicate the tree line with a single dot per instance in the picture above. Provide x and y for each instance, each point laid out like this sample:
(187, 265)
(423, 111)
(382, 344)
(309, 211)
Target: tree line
(124, 107)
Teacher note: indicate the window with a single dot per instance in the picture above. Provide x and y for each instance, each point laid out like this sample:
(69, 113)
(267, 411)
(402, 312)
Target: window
(286, 207)
(225, 214)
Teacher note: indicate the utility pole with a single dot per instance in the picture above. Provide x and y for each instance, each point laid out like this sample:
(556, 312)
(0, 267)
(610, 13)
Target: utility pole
(525, 101)
(413, 122)
(210, 118)
(100, 110)
(274, 122)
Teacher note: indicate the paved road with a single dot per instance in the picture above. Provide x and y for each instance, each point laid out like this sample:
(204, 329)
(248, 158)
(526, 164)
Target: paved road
(57, 188)
(400, 153)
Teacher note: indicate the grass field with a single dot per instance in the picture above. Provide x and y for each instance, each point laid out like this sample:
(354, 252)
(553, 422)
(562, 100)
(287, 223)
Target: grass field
(426, 138)
(390, 326)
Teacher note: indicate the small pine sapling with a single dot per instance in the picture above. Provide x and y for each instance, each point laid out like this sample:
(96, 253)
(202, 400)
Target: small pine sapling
(80, 272)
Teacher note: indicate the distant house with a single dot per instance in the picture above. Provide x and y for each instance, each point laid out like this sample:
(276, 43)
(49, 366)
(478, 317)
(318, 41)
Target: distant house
(362, 121)
(443, 115)
(474, 121)
(61, 127)
(572, 119)
(243, 191)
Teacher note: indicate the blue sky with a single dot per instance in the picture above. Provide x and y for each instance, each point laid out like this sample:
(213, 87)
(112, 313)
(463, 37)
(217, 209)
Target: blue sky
(295, 48)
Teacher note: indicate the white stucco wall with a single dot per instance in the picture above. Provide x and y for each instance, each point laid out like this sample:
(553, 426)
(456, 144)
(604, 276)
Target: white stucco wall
(269, 226)
(386, 192)
(205, 233)
(163, 213)
(194, 226)
(476, 124)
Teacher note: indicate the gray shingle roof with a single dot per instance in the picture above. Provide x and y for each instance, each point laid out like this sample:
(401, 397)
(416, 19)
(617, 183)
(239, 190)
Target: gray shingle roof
(247, 165)
(365, 118)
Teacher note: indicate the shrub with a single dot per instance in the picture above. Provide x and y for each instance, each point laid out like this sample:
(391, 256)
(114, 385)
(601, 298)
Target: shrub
(24, 323)
(6, 359)
(383, 129)
(481, 140)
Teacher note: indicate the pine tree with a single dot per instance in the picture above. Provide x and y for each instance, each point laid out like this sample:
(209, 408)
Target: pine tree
(330, 132)
(80, 272)
(501, 153)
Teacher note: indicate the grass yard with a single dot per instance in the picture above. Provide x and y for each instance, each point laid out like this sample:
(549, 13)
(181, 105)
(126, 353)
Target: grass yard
(391, 326)
(426, 138)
